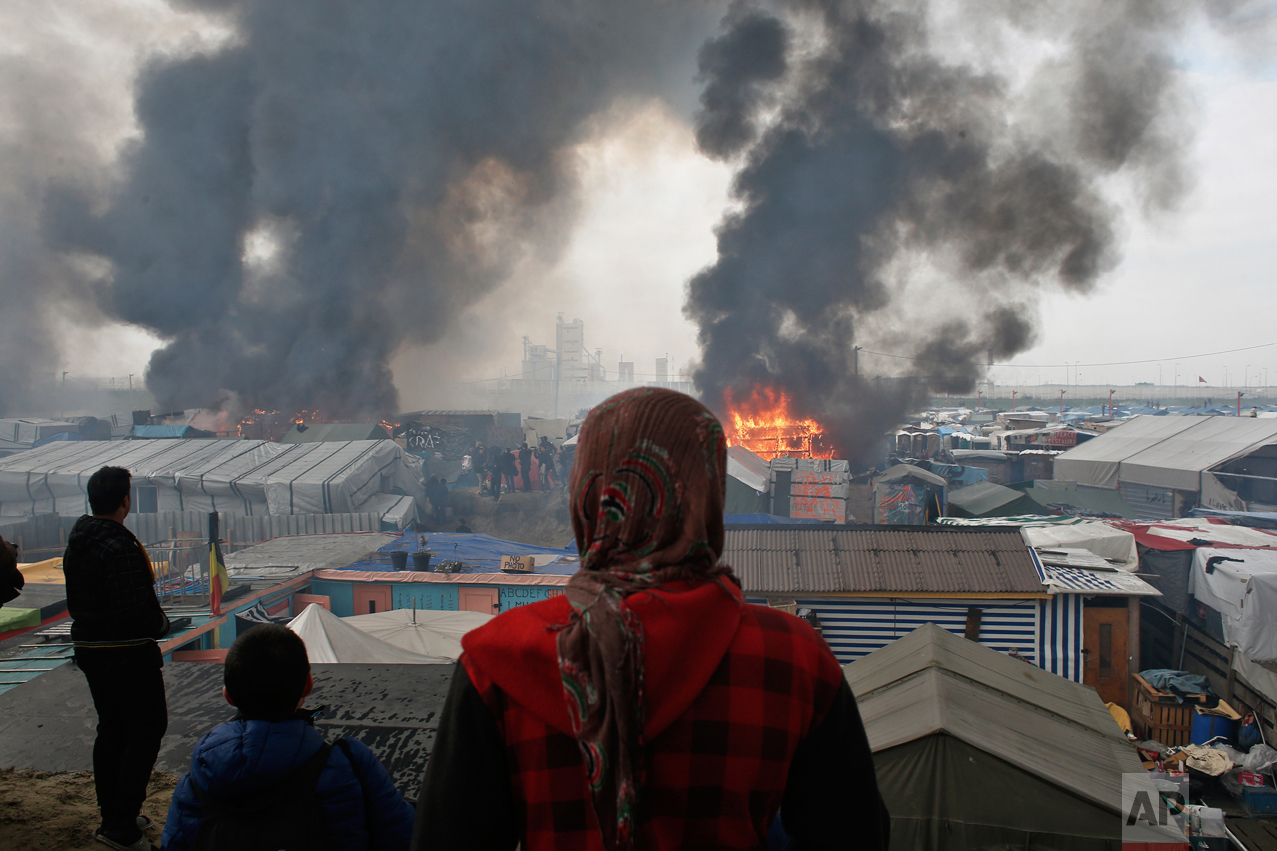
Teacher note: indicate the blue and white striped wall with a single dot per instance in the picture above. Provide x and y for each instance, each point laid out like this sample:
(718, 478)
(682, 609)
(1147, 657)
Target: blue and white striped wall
(1047, 633)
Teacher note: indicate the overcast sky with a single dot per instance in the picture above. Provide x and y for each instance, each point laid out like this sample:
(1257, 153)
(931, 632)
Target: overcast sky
(1194, 281)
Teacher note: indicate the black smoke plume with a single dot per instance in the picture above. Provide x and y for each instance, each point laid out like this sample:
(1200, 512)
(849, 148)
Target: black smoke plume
(342, 177)
(865, 148)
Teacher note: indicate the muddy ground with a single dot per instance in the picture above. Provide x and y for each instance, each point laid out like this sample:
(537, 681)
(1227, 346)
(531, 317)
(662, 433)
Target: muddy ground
(57, 811)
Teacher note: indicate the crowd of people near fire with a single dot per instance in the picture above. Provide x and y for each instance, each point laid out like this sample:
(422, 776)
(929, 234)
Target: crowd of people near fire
(494, 469)
(570, 723)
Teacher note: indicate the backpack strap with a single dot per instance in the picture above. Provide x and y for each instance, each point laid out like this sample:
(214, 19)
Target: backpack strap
(344, 744)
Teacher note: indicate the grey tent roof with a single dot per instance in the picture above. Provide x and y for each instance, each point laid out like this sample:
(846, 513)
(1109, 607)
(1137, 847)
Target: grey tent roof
(932, 682)
(908, 471)
(1163, 452)
(983, 499)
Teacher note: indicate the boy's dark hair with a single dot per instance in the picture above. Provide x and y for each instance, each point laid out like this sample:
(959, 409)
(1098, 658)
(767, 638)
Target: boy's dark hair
(8, 556)
(107, 489)
(265, 672)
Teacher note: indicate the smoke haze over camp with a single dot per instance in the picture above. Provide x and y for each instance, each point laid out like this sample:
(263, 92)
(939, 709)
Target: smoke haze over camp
(336, 207)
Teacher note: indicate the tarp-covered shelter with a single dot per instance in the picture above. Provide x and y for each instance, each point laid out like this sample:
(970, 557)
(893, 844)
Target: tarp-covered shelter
(1240, 584)
(235, 476)
(985, 499)
(330, 639)
(975, 749)
(429, 633)
(908, 495)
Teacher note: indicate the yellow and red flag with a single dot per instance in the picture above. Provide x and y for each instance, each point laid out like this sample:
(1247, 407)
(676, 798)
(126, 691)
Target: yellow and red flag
(219, 581)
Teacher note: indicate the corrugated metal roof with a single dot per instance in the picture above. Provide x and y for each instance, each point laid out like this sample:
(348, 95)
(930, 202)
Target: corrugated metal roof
(903, 559)
(419, 414)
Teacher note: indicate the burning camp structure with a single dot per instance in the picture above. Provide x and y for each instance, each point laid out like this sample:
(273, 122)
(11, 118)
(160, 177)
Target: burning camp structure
(803, 488)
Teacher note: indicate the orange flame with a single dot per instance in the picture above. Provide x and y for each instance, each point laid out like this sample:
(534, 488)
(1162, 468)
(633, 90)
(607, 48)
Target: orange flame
(764, 424)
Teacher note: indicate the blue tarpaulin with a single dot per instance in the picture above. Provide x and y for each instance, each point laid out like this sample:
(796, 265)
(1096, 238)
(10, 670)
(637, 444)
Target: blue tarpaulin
(165, 432)
(480, 553)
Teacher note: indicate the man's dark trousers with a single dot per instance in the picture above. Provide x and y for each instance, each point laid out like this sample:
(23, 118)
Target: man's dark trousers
(127, 684)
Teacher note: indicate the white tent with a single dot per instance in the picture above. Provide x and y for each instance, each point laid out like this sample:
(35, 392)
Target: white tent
(429, 633)
(329, 639)
(1163, 452)
(234, 476)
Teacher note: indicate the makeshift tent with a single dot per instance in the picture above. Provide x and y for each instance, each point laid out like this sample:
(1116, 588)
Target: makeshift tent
(1242, 586)
(235, 476)
(975, 749)
(430, 633)
(905, 494)
(19, 434)
(985, 499)
(329, 639)
(1163, 452)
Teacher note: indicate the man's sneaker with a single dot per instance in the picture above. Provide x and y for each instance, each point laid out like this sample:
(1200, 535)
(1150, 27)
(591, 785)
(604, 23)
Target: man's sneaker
(141, 844)
(144, 823)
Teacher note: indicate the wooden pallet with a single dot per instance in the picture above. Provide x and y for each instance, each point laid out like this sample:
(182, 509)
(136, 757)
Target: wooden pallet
(1158, 716)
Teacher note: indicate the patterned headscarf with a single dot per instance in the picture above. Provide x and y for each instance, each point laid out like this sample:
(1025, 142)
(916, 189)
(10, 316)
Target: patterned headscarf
(648, 487)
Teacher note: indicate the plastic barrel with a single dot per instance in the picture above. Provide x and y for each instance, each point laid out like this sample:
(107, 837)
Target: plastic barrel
(1206, 727)
(421, 561)
(399, 558)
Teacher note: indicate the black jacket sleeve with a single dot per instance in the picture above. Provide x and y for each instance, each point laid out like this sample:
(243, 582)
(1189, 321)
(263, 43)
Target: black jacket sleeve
(832, 790)
(466, 799)
(11, 579)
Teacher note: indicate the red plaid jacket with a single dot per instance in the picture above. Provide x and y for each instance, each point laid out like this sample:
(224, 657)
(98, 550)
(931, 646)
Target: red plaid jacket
(718, 761)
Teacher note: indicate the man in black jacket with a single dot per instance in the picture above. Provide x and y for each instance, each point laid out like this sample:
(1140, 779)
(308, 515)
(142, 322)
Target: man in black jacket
(525, 467)
(116, 619)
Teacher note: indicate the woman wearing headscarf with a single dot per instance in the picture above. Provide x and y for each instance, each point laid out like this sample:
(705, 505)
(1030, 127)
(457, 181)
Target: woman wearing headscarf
(649, 706)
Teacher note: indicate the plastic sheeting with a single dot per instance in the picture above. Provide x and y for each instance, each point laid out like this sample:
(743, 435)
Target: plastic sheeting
(1179, 534)
(329, 640)
(746, 467)
(430, 633)
(1116, 546)
(235, 476)
(1244, 592)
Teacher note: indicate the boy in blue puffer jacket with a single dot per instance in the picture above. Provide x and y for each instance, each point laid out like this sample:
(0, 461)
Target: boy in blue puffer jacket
(267, 676)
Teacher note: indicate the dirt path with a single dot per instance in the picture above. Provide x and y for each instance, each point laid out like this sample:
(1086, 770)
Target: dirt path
(43, 811)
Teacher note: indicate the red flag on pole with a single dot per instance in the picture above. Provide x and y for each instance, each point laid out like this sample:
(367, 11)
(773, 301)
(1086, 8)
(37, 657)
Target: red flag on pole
(1201, 380)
